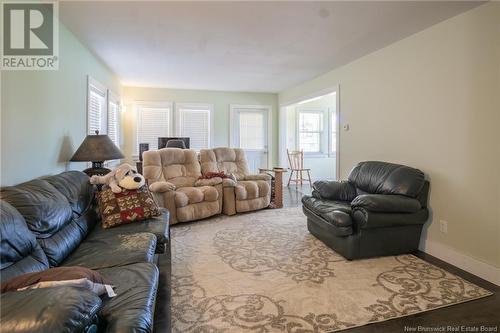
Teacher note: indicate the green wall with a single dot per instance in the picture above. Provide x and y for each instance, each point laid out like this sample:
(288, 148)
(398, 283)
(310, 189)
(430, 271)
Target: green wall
(220, 100)
(43, 113)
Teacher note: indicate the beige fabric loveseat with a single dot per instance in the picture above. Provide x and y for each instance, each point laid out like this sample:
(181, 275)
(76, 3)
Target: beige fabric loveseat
(173, 177)
(249, 192)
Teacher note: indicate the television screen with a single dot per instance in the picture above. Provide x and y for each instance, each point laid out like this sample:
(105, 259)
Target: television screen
(162, 141)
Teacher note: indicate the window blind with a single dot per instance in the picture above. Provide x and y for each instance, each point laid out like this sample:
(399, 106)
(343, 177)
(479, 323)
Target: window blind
(96, 112)
(114, 122)
(153, 122)
(194, 122)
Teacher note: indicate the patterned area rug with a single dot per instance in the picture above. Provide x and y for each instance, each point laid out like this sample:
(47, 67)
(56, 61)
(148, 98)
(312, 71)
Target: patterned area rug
(264, 272)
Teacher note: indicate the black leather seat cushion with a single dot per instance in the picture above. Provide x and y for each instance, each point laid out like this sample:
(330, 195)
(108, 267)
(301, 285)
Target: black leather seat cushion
(133, 308)
(158, 226)
(101, 250)
(48, 310)
(336, 213)
(19, 251)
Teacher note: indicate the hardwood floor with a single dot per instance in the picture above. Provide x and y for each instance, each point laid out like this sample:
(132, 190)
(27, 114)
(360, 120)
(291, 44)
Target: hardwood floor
(465, 317)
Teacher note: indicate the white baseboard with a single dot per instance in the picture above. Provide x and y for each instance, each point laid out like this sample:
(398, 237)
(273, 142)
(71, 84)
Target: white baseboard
(472, 265)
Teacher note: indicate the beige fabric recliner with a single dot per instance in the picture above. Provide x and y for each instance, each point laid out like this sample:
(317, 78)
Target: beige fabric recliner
(249, 192)
(173, 178)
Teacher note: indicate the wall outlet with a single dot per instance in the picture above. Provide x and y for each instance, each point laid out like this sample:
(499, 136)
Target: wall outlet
(443, 226)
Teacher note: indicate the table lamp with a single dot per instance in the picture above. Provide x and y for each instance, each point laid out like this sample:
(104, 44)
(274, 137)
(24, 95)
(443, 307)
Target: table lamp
(97, 149)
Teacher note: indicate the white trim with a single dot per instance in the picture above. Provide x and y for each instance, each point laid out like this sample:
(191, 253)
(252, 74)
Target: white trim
(337, 142)
(93, 84)
(462, 261)
(282, 137)
(211, 117)
(266, 108)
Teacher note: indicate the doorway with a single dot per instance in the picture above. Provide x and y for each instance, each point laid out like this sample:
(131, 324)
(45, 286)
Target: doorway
(250, 131)
(311, 124)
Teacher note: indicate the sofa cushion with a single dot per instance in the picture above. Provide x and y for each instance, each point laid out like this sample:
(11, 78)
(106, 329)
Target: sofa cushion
(44, 208)
(387, 178)
(157, 225)
(227, 160)
(62, 309)
(76, 187)
(48, 215)
(133, 308)
(177, 166)
(335, 215)
(19, 251)
(190, 195)
(251, 189)
(102, 250)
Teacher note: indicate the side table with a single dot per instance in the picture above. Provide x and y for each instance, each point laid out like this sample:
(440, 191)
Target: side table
(276, 186)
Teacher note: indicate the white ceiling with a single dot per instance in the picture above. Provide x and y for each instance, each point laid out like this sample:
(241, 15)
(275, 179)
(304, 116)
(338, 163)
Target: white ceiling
(242, 46)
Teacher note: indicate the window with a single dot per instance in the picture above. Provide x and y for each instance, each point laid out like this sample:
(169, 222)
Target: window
(154, 120)
(96, 107)
(251, 125)
(114, 118)
(194, 121)
(310, 125)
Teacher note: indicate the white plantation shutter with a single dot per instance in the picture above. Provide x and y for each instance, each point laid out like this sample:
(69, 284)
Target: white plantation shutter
(153, 122)
(96, 110)
(193, 121)
(114, 122)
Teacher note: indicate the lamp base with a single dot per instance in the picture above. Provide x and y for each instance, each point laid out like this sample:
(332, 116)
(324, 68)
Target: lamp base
(97, 169)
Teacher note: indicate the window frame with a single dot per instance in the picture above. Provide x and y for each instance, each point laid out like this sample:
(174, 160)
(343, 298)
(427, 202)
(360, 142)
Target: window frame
(322, 152)
(188, 105)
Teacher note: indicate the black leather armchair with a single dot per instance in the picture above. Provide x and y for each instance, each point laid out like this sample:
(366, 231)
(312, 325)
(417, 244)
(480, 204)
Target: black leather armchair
(379, 210)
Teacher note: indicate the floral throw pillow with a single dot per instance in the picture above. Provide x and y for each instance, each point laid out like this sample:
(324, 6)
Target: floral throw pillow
(126, 207)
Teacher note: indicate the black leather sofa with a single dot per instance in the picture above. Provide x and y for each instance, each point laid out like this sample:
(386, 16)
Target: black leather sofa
(379, 211)
(52, 221)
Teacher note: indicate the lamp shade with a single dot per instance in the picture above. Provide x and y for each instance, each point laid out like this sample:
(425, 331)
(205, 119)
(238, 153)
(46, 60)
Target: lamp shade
(96, 148)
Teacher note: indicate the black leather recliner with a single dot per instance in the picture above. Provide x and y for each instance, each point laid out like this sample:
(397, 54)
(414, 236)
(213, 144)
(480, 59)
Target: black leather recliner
(379, 211)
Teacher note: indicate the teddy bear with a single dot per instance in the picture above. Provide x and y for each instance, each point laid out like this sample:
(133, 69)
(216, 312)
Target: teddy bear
(123, 177)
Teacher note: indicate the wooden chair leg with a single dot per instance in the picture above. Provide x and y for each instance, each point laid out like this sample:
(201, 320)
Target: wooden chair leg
(290, 178)
(309, 176)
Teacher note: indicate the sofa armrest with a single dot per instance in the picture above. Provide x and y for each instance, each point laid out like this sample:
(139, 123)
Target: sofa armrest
(386, 203)
(261, 176)
(48, 310)
(334, 190)
(161, 187)
(208, 182)
(228, 182)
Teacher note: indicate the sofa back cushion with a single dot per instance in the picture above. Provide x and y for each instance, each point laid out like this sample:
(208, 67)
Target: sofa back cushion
(58, 220)
(386, 178)
(19, 251)
(76, 187)
(177, 166)
(227, 160)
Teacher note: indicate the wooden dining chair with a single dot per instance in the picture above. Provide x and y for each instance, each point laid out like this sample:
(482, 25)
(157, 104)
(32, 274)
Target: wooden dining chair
(296, 164)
